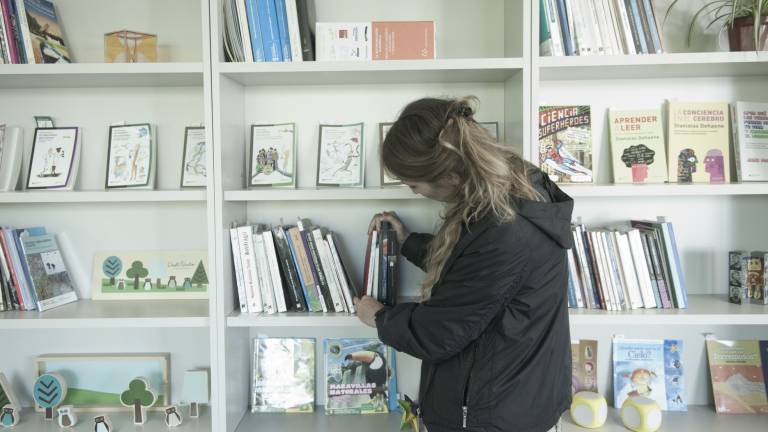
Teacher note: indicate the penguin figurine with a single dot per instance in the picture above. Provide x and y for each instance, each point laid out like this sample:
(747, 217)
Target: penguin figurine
(102, 424)
(121, 284)
(172, 416)
(148, 284)
(9, 416)
(67, 417)
(172, 282)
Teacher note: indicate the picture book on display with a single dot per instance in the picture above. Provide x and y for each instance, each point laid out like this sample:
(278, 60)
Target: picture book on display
(584, 364)
(565, 143)
(698, 142)
(283, 375)
(750, 140)
(637, 146)
(739, 370)
(650, 368)
(357, 373)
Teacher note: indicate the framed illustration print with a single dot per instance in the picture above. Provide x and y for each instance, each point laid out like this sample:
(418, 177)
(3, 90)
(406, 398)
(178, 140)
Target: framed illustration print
(193, 166)
(54, 160)
(491, 127)
(130, 156)
(96, 381)
(272, 155)
(150, 275)
(340, 155)
(386, 178)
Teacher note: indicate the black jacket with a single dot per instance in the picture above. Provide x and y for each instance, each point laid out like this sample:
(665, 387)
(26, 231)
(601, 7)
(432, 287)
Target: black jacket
(494, 338)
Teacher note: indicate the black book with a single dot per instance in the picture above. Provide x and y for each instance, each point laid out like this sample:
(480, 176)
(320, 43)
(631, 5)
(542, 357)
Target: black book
(305, 29)
(290, 277)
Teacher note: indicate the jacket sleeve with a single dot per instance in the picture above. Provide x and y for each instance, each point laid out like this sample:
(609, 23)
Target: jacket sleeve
(479, 284)
(414, 249)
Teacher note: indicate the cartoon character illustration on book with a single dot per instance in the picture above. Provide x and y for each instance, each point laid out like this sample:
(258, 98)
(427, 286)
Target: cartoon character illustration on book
(195, 164)
(640, 381)
(352, 151)
(715, 166)
(54, 157)
(559, 158)
(686, 165)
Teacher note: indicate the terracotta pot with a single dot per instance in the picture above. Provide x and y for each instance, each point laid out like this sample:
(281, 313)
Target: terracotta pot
(741, 35)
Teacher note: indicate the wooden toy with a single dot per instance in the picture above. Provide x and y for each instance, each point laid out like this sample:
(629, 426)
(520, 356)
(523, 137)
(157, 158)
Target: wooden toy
(589, 409)
(172, 416)
(9, 417)
(195, 390)
(140, 397)
(641, 414)
(67, 416)
(49, 391)
(102, 424)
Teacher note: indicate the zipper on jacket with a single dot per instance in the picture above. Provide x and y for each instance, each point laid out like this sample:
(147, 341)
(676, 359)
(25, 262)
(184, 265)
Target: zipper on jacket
(464, 416)
(465, 404)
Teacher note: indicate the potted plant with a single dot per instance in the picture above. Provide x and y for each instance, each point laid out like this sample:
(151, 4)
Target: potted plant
(746, 21)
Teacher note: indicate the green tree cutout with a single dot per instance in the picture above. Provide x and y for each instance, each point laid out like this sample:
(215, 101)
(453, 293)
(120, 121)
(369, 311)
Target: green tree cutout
(200, 277)
(139, 396)
(112, 266)
(137, 271)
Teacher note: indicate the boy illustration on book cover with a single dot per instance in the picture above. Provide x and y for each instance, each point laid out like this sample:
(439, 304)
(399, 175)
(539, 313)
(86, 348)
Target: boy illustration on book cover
(357, 375)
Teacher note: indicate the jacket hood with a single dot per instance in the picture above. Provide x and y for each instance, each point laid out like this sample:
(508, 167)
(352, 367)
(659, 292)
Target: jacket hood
(553, 215)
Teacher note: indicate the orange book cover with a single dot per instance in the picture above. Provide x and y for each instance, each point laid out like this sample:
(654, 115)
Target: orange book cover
(403, 40)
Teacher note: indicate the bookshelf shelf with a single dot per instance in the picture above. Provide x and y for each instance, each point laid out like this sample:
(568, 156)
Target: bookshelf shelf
(294, 319)
(677, 65)
(34, 422)
(101, 196)
(320, 194)
(669, 189)
(698, 418)
(374, 72)
(101, 75)
(318, 422)
(86, 314)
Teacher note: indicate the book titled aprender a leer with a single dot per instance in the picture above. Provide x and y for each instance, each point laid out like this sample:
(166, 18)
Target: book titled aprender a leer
(698, 142)
(637, 146)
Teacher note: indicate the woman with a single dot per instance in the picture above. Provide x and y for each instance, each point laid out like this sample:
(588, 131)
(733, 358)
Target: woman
(492, 328)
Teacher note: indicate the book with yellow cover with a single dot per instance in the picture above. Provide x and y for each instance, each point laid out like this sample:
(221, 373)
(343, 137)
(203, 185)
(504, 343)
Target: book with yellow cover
(698, 142)
(738, 382)
(637, 146)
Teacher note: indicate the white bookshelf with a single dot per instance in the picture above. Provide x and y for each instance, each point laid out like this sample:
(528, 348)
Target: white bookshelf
(34, 422)
(488, 49)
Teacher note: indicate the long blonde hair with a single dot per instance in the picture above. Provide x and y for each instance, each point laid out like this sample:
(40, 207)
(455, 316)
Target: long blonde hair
(433, 138)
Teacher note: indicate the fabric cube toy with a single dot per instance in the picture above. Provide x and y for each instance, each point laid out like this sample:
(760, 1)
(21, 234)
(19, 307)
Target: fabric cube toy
(641, 414)
(589, 409)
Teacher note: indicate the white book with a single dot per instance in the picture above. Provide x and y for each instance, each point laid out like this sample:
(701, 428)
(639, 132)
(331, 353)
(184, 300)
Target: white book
(613, 282)
(245, 34)
(339, 267)
(626, 28)
(607, 289)
(628, 268)
(556, 36)
(371, 264)
(751, 141)
(274, 271)
(293, 30)
(606, 29)
(624, 287)
(238, 266)
(586, 280)
(262, 272)
(11, 157)
(593, 16)
(250, 276)
(376, 270)
(328, 270)
(613, 27)
(356, 45)
(641, 268)
(24, 28)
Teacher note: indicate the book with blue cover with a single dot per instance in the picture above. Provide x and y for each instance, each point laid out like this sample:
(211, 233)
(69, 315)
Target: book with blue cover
(270, 32)
(282, 25)
(357, 373)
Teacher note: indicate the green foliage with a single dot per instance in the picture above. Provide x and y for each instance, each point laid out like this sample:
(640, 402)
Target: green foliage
(137, 391)
(725, 12)
(200, 277)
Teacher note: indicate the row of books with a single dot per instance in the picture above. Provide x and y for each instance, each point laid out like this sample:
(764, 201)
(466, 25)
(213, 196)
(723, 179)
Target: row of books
(360, 376)
(33, 275)
(375, 40)
(290, 268)
(599, 27)
(380, 274)
(626, 268)
(268, 30)
(748, 277)
(30, 32)
(696, 148)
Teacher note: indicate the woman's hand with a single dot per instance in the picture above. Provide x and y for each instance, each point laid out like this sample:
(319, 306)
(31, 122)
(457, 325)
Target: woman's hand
(366, 309)
(397, 225)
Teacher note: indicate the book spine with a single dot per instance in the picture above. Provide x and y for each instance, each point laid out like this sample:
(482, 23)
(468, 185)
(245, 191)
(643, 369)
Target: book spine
(628, 270)
(367, 262)
(298, 252)
(9, 285)
(270, 33)
(10, 38)
(383, 262)
(658, 266)
(265, 278)
(653, 29)
(294, 34)
(394, 250)
(545, 35)
(282, 26)
(586, 276)
(255, 30)
(654, 275)
(565, 29)
(305, 30)
(593, 272)
(341, 274)
(550, 12)
(317, 269)
(626, 28)
(274, 271)
(613, 27)
(645, 23)
(313, 270)
(5, 58)
(638, 27)
(26, 37)
(641, 269)
(30, 296)
(18, 34)
(618, 270)
(289, 267)
(676, 268)
(572, 303)
(600, 273)
(371, 264)
(252, 290)
(327, 270)
(738, 139)
(658, 24)
(666, 263)
(238, 265)
(610, 269)
(593, 20)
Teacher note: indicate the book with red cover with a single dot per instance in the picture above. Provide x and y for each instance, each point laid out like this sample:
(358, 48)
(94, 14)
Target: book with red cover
(403, 40)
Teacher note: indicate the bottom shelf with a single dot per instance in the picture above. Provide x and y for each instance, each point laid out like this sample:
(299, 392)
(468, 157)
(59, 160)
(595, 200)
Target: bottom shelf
(32, 421)
(698, 418)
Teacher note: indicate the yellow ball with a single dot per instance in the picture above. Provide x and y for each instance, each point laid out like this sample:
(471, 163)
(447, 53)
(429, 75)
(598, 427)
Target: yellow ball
(589, 409)
(641, 414)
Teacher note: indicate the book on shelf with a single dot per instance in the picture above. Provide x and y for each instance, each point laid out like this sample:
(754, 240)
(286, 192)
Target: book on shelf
(698, 142)
(599, 27)
(651, 368)
(584, 365)
(11, 157)
(30, 32)
(403, 40)
(750, 140)
(637, 146)
(625, 268)
(268, 30)
(380, 272)
(33, 275)
(565, 143)
(738, 371)
(290, 268)
(283, 375)
(357, 376)
(343, 41)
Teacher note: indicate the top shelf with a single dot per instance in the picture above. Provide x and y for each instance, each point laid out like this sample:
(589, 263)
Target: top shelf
(373, 72)
(679, 65)
(78, 75)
